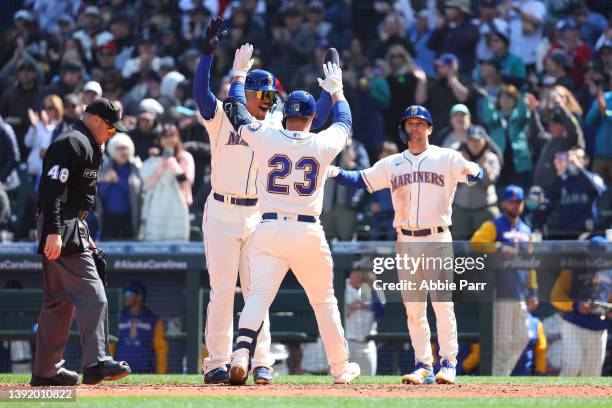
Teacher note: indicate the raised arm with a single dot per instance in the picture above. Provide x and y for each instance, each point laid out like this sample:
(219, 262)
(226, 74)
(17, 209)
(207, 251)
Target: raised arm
(202, 94)
(333, 85)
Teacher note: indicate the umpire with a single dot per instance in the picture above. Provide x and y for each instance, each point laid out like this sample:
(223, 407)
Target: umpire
(71, 281)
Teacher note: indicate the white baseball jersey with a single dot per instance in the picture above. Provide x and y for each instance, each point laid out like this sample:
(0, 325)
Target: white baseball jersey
(292, 166)
(233, 167)
(422, 186)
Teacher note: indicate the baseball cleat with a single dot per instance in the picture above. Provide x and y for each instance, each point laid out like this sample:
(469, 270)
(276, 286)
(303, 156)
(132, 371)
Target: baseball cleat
(262, 375)
(422, 374)
(63, 378)
(332, 56)
(108, 370)
(351, 371)
(447, 373)
(217, 375)
(239, 372)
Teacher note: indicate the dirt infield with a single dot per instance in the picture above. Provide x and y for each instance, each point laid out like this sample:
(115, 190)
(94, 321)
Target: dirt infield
(352, 390)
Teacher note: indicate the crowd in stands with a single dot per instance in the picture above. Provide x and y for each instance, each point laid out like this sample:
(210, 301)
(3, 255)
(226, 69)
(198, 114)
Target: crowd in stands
(522, 87)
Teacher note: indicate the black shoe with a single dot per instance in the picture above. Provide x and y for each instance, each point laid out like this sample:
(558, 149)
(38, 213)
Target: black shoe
(63, 378)
(262, 375)
(217, 375)
(108, 370)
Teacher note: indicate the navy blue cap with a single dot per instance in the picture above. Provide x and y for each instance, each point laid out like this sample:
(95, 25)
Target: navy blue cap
(513, 193)
(136, 288)
(446, 59)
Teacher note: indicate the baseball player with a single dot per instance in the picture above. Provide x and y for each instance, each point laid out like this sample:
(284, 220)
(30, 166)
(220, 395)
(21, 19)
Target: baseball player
(293, 165)
(231, 212)
(422, 180)
(516, 289)
(584, 328)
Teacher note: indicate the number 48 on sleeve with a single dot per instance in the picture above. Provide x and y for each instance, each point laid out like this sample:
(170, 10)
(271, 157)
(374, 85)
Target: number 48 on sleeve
(55, 173)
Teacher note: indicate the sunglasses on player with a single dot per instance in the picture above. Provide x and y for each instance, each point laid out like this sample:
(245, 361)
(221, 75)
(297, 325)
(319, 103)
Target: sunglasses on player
(261, 95)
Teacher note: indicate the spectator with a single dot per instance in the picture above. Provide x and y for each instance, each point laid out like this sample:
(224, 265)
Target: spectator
(575, 193)
(575, 50)
(563, 133)
(404, 80)
(91, 91)
(373, 97)
(590, 23)
(17, 100)
(120, 191)
(445, 92)
(488, 13)
(315, 20)
(167, 186)
(583, 331)
(341, 203)
(38, 137)
(147, 128)
(167, 90)
(491, 78)
(455, 135)
(498, 40)
(526, 19)
(70, 81)
(141, 334)
(305, 78)
(120, 28)
(105, 57)
(11, 180)
(457, 35)
(600, 116)
(473, 205)
(381, 205)
(516, 289)
(146, 60)
(248, 27)
(595, 78)
(362, 306)
(296, 41)
(8, 164)
(556, 66)
(419, 35)
(506, 122)
(392, 32)
(93, 33)
(72, 112)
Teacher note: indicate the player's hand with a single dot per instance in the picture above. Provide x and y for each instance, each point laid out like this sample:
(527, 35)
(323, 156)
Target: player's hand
(333, 171)
(333, 78)
(53, 246)
(508, 252)
(585, 308)
(532, 303)
(242, 60)
(214, 35)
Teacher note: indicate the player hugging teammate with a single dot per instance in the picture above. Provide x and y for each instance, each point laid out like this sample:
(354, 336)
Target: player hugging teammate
(282, 170)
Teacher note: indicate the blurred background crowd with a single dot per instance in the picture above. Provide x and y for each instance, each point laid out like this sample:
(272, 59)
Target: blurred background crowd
(521, 86)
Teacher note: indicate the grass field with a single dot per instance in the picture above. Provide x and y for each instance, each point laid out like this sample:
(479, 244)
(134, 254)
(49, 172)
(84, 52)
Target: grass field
(227, 400)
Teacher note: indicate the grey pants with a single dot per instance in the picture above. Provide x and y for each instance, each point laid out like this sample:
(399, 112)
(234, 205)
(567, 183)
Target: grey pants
(71, 283)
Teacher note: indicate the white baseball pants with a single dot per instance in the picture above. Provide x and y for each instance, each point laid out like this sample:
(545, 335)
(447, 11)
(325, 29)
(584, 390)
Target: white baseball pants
(510, 335)
(584, 350)
(227, 229)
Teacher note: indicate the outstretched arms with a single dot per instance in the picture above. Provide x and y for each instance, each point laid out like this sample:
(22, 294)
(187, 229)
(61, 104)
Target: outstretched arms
(202, 94)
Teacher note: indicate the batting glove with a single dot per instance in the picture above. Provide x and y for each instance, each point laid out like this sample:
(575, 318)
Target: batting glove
(333, 171)
(214, 35)
(242, 60)
(333, 78)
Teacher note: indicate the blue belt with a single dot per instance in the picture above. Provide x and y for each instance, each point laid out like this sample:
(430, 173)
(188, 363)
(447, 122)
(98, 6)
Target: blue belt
(247, 202)
(300, 218)
(422, 232)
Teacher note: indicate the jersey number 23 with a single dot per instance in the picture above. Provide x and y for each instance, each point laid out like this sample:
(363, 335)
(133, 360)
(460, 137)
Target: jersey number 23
(282, 166)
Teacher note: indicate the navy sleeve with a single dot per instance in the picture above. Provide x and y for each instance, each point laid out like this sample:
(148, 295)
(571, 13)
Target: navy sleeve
(207, 103)
(342, 115)
(323, 109)
(350, 178)
(473, 179)
(237, 91)
(236, 112)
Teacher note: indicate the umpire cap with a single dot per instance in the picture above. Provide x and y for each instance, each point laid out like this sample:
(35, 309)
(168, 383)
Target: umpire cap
(108, 111)
(260, 80)
(299, 104)
(414, 111)
(513, 193)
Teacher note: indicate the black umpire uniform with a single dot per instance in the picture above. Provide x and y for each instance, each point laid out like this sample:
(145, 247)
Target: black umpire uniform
(71, 282)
